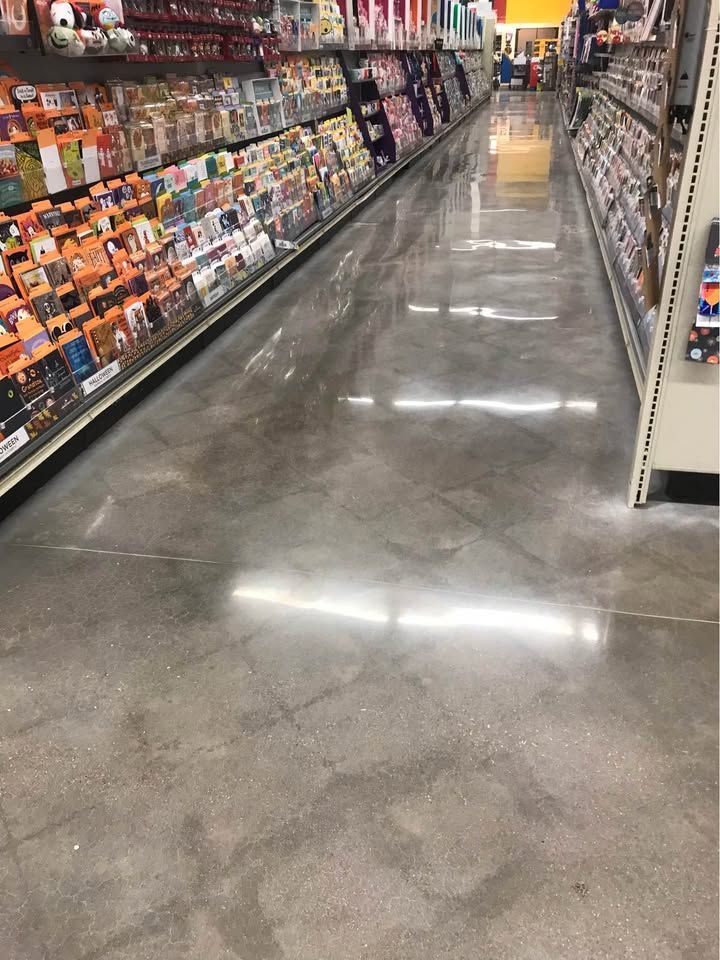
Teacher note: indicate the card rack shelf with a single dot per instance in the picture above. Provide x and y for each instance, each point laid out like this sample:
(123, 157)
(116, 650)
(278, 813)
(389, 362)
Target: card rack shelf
(628, 313)
(649, 117)
(38, 458)
(640, 190)
(678, 433)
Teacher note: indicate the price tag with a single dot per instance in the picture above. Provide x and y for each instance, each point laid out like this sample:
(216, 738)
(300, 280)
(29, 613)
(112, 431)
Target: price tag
(286, 245)
(10, 444)
(90, 384)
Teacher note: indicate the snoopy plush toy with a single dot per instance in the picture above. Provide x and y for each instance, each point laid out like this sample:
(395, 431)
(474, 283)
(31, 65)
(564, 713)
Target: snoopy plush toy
(73, 33)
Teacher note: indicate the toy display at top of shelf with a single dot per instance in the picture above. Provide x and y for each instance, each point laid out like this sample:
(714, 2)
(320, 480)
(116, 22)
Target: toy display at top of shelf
(185, 31)
(611, 23)
(71, 31)
(171, 30)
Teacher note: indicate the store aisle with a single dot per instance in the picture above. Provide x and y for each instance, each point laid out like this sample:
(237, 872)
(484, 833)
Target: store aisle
(344, 644)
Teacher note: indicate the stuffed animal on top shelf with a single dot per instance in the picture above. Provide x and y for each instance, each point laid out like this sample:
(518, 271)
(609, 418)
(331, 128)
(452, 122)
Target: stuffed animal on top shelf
(74, 33)
(119, 39)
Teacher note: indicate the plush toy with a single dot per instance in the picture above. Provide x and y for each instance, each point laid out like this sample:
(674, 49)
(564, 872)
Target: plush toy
(65, 14)
(127, 39)
(68, 25)
(119, 39)
(75, 34)
(95, 40)
(65, 41)
(107, 19)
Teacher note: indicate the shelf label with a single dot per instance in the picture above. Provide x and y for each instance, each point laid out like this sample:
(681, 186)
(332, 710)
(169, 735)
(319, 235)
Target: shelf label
(92, 383)
(286, 245)
(10, 444)
(212, 296)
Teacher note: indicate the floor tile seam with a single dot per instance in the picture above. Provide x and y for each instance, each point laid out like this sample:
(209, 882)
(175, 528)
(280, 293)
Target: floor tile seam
(258, 497)
(448, 591)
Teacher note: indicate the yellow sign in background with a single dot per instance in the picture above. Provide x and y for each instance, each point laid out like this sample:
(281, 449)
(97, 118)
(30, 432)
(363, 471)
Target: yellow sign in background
(537, 11)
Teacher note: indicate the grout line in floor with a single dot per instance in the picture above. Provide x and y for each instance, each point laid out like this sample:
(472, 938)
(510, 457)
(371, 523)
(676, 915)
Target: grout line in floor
(366, 580)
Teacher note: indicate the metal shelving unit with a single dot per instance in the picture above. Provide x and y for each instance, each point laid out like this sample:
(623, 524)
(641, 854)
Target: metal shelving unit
(679, 424)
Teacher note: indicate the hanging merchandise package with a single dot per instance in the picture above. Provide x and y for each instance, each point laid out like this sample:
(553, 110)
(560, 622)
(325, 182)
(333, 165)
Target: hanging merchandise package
(704, 342)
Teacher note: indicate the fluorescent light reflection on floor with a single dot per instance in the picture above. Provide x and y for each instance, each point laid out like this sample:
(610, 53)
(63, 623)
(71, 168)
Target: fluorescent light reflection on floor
(481, 617)
(480, 403)
(500, 405)
(489, 313)
(420, 404)
(426, 615)
(328, 605)
(518, 245)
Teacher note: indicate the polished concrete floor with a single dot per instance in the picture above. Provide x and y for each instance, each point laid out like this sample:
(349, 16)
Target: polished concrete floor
(344, 645)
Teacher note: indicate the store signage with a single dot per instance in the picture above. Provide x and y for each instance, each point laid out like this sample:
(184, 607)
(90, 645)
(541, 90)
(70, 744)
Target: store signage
(91, 384)
(10, 444)
(24, 92)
